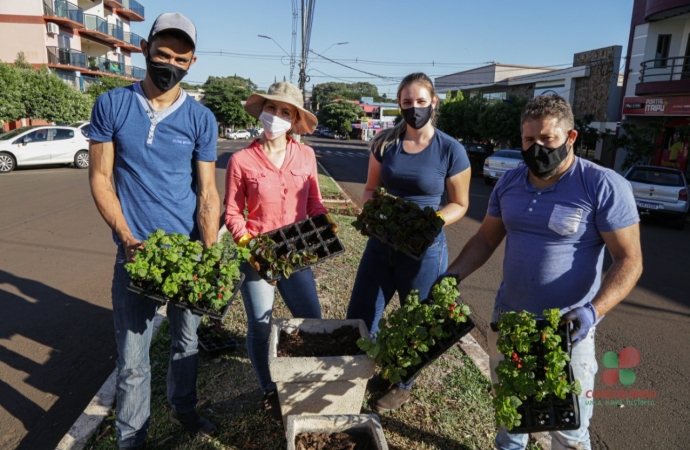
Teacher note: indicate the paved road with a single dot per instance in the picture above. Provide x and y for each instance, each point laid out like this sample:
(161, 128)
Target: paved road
(653, 319)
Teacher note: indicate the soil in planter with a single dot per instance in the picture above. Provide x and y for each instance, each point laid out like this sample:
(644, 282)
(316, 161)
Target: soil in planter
(340, 342)
(352, 440)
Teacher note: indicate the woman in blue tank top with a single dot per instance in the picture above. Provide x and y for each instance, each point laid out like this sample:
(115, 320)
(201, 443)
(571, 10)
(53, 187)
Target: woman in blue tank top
(415, 161)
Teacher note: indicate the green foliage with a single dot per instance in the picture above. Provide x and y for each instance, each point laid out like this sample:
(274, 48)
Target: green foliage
(264, 259)
(105, 84)
(25, 92)
(325, 93)
(639, 141)
(414, 329)
(500, 121)
(224, 96)
(524, 374)
(180, 269)
(339, 116)
(400, 223)
(459, 117)
(21, 63)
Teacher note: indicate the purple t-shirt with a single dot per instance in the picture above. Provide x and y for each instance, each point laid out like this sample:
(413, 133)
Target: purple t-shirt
(554, 249)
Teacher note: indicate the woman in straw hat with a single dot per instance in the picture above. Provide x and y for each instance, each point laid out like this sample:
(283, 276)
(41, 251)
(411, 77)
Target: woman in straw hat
(275, 179)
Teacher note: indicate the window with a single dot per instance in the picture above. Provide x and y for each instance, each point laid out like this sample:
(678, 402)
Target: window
(495, 96)
(663, 44)
(62, 134)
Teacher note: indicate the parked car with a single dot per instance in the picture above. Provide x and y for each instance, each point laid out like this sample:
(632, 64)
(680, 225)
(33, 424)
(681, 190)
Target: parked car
(477, 154)
(255, 132)
(501, 162)
(660, 192)
(83, 125)
(43, 145)
(238, 134)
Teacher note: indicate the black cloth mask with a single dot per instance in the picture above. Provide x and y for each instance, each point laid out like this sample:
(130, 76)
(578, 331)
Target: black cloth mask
(417, 117)
(542, 160)
(164, 76)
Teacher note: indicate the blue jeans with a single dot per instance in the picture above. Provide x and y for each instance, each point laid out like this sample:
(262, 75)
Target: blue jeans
(133, 317)
(383, 271)
(584, 364)
(299, 294)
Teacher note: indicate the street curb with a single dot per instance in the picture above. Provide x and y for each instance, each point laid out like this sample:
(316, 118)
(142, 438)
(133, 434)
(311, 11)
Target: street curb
(97, 410)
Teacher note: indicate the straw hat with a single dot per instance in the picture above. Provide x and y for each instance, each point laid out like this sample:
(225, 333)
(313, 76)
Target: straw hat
(286, 93)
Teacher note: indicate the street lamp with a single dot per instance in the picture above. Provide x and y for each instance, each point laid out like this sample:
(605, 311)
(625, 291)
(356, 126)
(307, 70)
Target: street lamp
(332, 45)
(281, 47)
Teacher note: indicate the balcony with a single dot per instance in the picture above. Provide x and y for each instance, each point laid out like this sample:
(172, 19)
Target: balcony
(116, 32)
(664, 76)
(66, 58)
(63, 13)
(103, 65)
(98, 28)
(113, 3)
(664, 9)
(135, 72)
(132, 10)
(131, 42)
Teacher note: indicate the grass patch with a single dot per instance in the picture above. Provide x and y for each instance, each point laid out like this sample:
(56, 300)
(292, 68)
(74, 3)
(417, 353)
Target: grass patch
(451, 406)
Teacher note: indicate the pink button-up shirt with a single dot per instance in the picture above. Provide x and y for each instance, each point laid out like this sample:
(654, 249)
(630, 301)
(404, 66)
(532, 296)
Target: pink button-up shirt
(274, 197)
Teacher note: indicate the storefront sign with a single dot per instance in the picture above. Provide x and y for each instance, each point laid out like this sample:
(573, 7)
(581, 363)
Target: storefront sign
(657, 106)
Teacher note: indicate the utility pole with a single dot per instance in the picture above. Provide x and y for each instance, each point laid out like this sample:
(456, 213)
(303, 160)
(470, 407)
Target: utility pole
(303, 60)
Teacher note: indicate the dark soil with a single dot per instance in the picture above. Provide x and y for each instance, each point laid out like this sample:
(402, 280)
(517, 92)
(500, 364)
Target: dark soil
(336, 441)
(340, 342)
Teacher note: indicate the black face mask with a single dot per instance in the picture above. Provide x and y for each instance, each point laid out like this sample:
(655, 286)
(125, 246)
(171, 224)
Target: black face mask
(164, 76)
(417, 117)
(541, 160)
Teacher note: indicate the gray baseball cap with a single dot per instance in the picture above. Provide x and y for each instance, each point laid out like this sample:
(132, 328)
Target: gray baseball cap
(174, 21)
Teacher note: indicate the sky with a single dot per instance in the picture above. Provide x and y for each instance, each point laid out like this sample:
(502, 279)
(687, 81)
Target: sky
(390, 39)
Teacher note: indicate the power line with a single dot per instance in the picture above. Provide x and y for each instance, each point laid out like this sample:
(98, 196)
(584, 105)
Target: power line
(356, 70)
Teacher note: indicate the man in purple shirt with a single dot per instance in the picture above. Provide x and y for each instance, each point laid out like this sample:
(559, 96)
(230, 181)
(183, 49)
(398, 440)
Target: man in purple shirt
(557, 213)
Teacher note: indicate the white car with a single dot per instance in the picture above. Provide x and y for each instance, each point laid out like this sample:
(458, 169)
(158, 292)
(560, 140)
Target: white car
(660, 192)
(238, 134)
(501, 162)
(83, 125)
(43, 145)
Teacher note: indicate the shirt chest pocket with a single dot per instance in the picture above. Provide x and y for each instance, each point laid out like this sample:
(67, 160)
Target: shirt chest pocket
(260, 186)
(565, 220)
(300, 180)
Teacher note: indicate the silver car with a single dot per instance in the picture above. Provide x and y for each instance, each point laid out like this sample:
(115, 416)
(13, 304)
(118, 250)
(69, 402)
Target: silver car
(660, 192)
(501, 162)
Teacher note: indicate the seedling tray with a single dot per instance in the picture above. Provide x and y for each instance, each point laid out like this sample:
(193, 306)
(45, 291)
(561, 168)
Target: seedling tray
(458, 331)
(313, 234)
(552, 413)
(160, 298)
(416, 257)
(213, 344)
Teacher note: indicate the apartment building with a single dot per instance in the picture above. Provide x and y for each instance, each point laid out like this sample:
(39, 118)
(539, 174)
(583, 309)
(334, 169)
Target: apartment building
(657, 77)
(78, 39)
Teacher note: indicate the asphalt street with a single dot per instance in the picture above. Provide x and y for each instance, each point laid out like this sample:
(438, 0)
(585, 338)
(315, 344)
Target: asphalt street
(56, 333)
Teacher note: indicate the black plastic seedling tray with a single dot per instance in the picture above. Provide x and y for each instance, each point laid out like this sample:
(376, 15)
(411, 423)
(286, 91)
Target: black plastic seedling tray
(458, 331)
(214, 344)
(552, 413)
(416, 257)
(160, 298)
(314, 234)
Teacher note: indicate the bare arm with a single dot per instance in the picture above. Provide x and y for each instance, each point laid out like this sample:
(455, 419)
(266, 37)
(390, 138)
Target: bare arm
(480, 247)
(101, 160)
(458, 187)
(373, 178)
(209, 202)
(624, 246)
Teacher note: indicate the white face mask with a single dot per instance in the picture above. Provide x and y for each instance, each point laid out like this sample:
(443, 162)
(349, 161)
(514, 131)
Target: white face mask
(274, 126)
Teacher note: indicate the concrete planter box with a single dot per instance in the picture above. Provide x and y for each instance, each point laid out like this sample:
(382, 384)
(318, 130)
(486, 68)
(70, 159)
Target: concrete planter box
(323, 385)
(329, 424)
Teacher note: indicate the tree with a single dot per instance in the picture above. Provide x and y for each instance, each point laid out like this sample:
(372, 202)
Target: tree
(21, 62)
(459, 116)
(450, 114)
(500, 121)
(325, 93)
(11, 101)
(244, 84)
(338, 116)
(639, 141)
(225, 101)
(104, 85)
(47, 97)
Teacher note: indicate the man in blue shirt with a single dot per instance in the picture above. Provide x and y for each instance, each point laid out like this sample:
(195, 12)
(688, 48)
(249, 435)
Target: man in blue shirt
(557, 213)
(159, 148)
